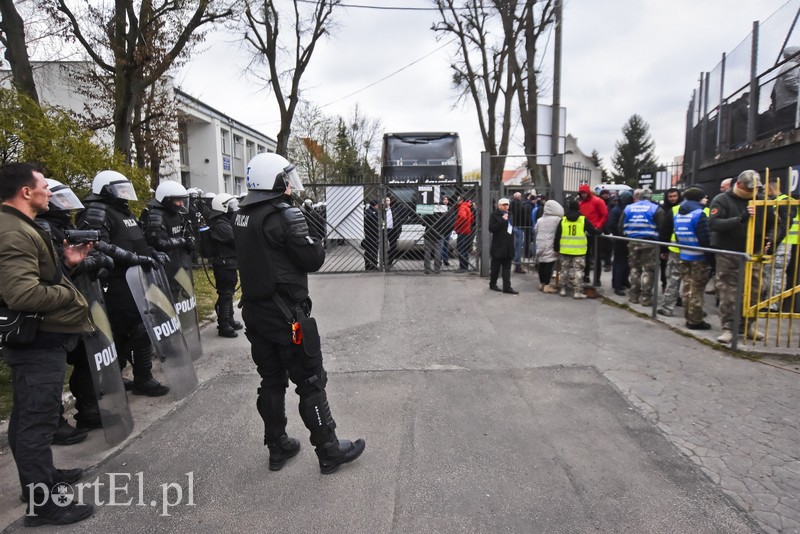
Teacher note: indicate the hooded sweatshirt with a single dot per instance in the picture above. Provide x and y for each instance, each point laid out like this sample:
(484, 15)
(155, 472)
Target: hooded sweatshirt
(546, 232)
(593, 208)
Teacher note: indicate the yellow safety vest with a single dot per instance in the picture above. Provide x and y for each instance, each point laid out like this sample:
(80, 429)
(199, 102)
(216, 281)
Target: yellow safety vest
(674, 239)
(791, 236)
(573, 237)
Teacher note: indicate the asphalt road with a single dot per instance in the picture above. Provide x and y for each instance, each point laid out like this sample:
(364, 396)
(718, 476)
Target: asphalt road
(483, 412)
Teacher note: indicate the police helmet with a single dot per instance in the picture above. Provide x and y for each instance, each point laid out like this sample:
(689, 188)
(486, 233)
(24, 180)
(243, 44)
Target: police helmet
(62, 199)
(169, 192)
(222, 202)
(268, 176)
(113, 185)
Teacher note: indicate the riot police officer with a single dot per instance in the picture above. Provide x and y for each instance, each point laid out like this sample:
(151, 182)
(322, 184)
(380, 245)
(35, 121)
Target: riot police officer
(108, 212)
(223, 261)
(276, 311)
(58, 220)
(166, 227)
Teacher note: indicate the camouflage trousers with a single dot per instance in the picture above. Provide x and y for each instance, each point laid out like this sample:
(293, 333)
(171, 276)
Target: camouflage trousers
(674, 276)
(775, 273)
(642, 266)
(694, 275)
(727, 282)
(577, 264)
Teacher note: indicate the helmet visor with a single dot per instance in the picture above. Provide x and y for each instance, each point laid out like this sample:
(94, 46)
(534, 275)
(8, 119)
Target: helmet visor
(123, 189)
(182, 208)
(64, 199)
(292, 178)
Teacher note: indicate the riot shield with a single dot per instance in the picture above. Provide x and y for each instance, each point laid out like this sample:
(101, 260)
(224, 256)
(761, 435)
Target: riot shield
(112, 401)
(182, 288)
(151, 292)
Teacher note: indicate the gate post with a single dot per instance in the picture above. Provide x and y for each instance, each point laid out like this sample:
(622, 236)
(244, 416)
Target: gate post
(485, 209)
(557, 178)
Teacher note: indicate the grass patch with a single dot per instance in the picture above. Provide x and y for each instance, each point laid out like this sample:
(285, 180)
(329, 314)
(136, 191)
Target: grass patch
(206, 297)
(206, 294)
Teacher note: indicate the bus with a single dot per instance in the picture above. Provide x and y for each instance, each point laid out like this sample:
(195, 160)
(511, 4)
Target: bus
(421, 158)
(418, 169)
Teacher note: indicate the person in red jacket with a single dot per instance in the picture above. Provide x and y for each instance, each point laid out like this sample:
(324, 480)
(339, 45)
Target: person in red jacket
(596, 212)
(464, 226)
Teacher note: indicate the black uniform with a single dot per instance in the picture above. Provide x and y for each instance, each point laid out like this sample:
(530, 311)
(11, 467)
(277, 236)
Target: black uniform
(224, 264)
(166, 230)
(95, 265)
(117, 226)
(273, 273)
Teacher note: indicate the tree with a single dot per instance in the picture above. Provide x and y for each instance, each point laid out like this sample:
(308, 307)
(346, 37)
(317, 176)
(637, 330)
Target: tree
(598, 162)
(334, 149)
(50, 137)
(262, 32)
(135, 43)
(635, 153)
(533, 19)
(496, 67)
(12, 37)
(480, 71)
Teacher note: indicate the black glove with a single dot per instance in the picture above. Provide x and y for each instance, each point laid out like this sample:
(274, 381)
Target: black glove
(146, 262)
(161, 257)
(189, 243)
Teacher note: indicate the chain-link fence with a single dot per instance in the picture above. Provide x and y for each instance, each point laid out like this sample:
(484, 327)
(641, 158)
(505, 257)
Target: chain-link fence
(752, 93)
(398, 228)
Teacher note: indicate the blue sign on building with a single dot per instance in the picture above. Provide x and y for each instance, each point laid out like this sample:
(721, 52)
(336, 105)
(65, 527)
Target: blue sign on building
(794, 181)
(226, 163)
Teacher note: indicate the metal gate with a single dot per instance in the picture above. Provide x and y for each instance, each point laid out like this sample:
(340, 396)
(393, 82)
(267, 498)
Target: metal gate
(771, 296)
(388, 228)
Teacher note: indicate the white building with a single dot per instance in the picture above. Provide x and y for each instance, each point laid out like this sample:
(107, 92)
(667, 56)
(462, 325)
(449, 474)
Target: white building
(212, 149)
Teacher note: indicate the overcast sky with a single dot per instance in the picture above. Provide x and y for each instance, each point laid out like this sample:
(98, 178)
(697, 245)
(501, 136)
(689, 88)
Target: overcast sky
(620, 57)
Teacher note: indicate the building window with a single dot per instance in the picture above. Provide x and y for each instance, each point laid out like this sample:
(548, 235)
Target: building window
(238, 147)
(239, 186)
(226, 183)
(251, 150)
(183, 145)
(261, 149)
(224, 141)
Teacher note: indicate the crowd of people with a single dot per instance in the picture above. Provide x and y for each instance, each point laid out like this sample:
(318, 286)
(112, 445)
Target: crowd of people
(566, 237)
(384, 223)
(49, 240)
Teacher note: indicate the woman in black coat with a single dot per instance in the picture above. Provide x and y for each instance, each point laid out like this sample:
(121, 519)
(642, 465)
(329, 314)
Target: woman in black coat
(502, 249)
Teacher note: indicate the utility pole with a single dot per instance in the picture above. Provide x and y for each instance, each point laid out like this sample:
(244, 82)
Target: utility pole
(556, 161)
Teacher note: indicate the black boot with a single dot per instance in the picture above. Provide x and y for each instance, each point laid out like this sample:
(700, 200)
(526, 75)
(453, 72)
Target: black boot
(271, 406)
(52, 514)
(224, 318)
(142, 363)
(226, 331)
(342, 451)
(150, 387)
(281, 450)
(331, 452)
(236, 325)
(88, 418)
(66, 434)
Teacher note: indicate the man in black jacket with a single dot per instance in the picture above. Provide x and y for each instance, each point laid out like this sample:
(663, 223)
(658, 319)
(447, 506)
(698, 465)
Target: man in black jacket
(277, 313)
(224, 262)
(730, 213)
(502, 248)
(108, 212)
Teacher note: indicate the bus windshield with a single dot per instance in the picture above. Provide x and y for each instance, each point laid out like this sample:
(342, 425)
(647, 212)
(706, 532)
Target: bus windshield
(418, 158)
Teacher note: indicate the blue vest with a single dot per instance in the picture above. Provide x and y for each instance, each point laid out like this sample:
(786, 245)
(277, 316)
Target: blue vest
(640, 220)
(686, 234)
